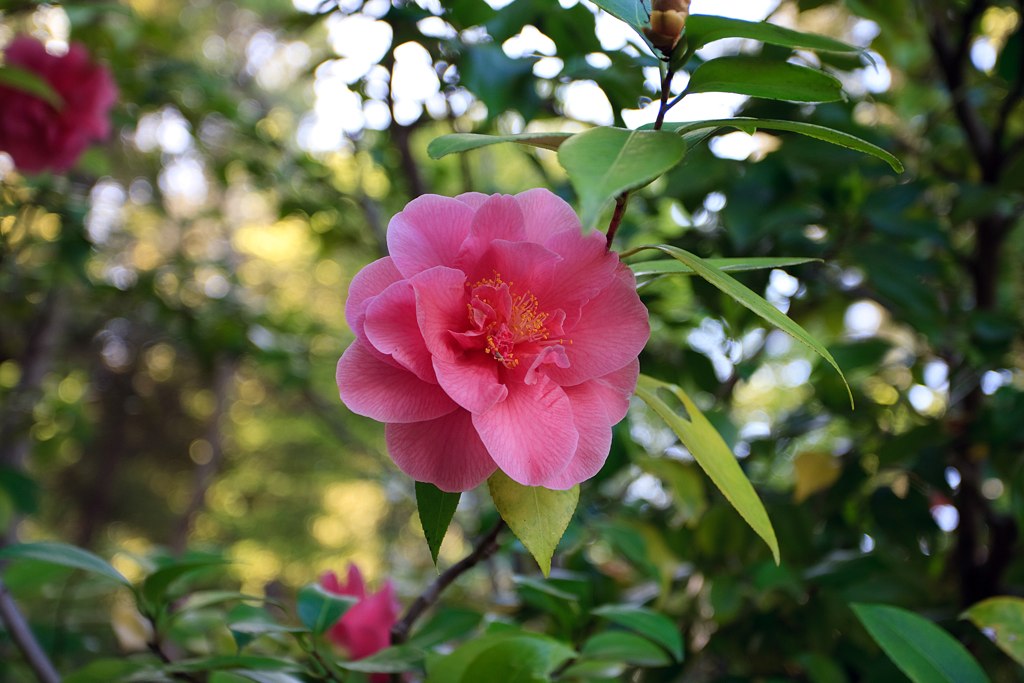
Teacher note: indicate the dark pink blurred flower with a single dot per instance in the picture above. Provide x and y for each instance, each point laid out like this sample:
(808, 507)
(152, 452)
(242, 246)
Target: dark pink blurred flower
(40, 137)
(366, 627)
(496, 335)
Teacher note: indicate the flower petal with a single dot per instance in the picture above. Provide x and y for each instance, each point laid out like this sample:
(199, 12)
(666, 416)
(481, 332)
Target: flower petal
(446, 452)
(441, 299)
(390, 326)
(497, 218)
(471, 381)
(586, 263)
(371, 387)
(530, 434)
(366, 627)
(368, 283)
(546, 214)
(428, 232)
(591, 421)
(615, 389)
(473, 199)
(612, 330)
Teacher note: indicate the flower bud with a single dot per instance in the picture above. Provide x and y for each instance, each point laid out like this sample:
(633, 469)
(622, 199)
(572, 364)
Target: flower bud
(668, 18)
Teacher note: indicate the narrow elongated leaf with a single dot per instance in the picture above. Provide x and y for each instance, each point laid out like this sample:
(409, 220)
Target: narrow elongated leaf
(712, 454)
(1005, 617)
(392, 660)
(228, 662)
(319, 609)
(463, 142)
(751, 125)
(726, 265)
(648, 623)
(922, 650)
(65, 556)
(602, 163)
(751, 300)
(765, 78)
(537, 516)
(31, 83)
(436, 508)
(702, 29)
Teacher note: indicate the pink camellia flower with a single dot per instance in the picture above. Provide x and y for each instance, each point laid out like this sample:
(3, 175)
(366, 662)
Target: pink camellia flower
(496, 335)
(366, 627)
(36, 135)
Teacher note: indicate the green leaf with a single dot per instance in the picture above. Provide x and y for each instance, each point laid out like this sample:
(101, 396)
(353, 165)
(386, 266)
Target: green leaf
(436, 508)
(260, 628)
(726, 265)
(521, 659)
(626, 647)
(751, 300)
(30, 83)
(544, 654)
(319, 609)
(712, 454)
(636, 13)
(204, 599)
(220, 662)
(65, 556)
(602, 163)
(104, 671)
(648, 623)
(1005, 617)
(922, 650)
(537, 516)
(768, 79)
(463, 142)
(446, 624)
(751, 125)
(155, 586)
(702, 29)
(391, 660)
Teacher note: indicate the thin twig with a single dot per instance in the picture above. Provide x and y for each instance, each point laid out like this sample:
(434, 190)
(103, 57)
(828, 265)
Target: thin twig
(620, 210)
(18, 629)
(484, 548)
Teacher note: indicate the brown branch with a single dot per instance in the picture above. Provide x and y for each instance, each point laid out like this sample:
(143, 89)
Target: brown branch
(484, 548)
(18, 629)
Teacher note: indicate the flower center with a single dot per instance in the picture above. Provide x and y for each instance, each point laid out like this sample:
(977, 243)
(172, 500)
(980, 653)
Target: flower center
(506, 320)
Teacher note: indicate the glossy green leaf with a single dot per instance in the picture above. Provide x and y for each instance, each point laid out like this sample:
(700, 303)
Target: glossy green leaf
(712, 454)
(726, 265)
(751, 300)
(155, 586)
(463, 142)
(921, 650)
(523, 659)
(648, 623)
(104, 671)
(391, 660)
(752, 125)
(702, 29)
(636, 13)
(1005, 617)
(222, 662)
(204, 599)
(765, 78)
(436, 509)
(602, 163)
(446, 624)
(537, 516)
(626, 647)
(30, 83)
(65, 556)
(319, 609)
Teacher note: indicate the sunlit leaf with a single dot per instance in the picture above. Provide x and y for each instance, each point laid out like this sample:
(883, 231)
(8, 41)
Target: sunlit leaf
(726, 265)
(921, 650)
(65, 556)
(765, 78)
(814, 471)
(463, 142)
(712, 454)
(751, 300)
(1004, 616)
(602, 163)
(537, 516)
(752, 125)
(436, 508)
(702, 29)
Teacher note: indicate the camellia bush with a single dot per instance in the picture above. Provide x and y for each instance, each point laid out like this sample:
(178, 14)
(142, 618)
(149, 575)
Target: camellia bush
(660, 411)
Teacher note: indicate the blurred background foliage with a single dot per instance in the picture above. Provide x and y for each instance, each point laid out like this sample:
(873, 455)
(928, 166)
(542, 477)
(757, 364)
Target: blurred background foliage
(171, 316)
